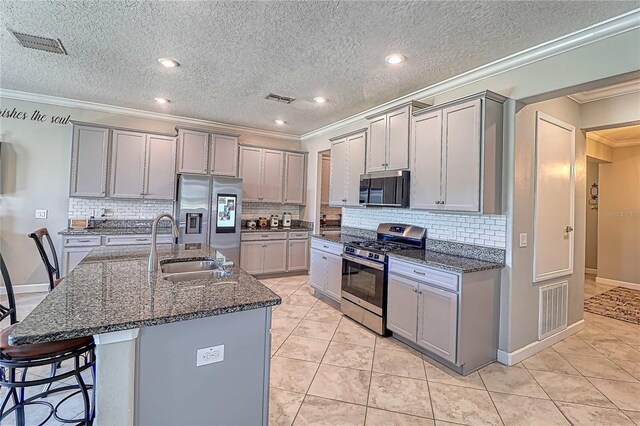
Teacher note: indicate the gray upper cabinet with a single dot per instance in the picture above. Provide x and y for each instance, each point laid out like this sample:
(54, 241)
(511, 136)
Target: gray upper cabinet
(223, 155)
(193, 148)
(159, 178)
(89, 155)
(261, 171)
(251, 173)
(294, 177)
(388, 145)
(272, 167)
(127, 164)
(347, 164)
(457, 155)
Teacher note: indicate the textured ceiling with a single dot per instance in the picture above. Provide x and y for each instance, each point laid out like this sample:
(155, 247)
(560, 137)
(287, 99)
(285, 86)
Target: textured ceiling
(235, 53)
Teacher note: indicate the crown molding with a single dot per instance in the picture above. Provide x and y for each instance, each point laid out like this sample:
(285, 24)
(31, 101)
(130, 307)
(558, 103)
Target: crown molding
(612, 142)
(602, 139)
(606, 92)
(600, 31)
(179, 121)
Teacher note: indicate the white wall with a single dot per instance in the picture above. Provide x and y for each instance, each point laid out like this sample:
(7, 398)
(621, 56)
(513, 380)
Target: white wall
(35, 165)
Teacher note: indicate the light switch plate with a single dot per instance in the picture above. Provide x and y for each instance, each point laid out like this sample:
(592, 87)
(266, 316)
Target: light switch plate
(523, 239)
(41, 214)
(209, 355)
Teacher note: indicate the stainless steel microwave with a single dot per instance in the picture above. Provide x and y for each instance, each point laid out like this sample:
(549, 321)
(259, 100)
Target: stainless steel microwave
(385, 189)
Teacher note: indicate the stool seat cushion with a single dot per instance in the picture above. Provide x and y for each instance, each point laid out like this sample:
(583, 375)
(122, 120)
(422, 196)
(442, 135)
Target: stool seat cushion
(38, 350)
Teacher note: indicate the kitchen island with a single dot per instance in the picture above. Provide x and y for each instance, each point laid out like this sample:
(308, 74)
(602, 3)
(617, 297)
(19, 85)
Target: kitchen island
(147, 331)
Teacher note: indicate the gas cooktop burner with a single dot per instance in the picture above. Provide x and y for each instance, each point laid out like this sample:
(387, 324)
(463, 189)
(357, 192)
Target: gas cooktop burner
(382, 246)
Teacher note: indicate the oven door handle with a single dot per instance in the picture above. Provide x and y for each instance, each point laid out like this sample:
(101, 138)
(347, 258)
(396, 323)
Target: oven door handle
(360, 261)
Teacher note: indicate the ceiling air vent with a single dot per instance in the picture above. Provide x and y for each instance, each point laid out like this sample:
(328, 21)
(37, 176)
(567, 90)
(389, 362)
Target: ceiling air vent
(279, 98)
(39, 43)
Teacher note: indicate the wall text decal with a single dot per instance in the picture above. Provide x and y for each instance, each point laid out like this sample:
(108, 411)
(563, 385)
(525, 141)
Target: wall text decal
(36, 116)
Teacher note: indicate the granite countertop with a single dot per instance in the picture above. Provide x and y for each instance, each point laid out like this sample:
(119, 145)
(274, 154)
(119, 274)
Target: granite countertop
(435, 259)
(111, 290)
(445, 261)
(114, 231)
(278, 229)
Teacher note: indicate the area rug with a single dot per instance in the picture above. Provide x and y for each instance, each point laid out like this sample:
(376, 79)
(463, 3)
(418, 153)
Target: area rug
(619, 303)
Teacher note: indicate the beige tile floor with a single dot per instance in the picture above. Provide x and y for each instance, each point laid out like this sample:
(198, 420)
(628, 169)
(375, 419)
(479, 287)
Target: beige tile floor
(328, 370)
(592, 288)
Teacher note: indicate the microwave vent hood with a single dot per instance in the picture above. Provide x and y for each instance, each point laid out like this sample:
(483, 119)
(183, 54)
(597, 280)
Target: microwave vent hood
(385, 189)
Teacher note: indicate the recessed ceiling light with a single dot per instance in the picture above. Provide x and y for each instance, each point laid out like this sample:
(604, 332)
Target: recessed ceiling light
(162, 100)
(394, 58)
(169, 63)
(320, 99)
(280, 122)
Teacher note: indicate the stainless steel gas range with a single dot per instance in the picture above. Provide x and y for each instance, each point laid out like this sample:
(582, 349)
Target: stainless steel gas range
(364, 272)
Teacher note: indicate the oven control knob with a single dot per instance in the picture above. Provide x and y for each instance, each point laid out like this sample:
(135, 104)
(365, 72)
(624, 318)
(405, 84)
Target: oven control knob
(377, 257)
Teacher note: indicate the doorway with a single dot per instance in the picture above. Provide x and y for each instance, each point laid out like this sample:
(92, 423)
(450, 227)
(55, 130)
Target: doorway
(328, 218)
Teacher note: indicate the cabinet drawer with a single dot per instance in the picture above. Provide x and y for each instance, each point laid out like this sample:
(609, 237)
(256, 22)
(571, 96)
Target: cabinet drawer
(424, 274)
(127, 240)
(324, 245)
(82, 241)
(298, 235)
(263, 236)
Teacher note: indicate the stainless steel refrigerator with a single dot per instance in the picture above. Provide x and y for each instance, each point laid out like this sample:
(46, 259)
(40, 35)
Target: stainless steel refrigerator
(209, 211)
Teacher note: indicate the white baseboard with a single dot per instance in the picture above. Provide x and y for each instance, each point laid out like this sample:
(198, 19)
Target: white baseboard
(591, 271)
(27, 288)
(511, 358)
(625, 284)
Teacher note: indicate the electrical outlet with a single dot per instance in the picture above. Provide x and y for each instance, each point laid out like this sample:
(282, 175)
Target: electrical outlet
(41, 214)
(523, 239)
(209, 355)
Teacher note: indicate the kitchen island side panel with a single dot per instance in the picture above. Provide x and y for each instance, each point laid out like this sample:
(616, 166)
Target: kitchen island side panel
(171, 390)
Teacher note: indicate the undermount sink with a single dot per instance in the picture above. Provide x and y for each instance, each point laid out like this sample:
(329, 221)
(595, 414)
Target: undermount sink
(187, 270)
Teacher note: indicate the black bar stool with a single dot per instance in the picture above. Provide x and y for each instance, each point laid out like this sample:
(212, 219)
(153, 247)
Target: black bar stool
(15, 362)
(53, 269)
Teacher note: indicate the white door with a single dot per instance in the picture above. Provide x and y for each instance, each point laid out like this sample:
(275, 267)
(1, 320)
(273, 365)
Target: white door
(298, 256)
(356, 146)
(251, 256)
(461, 136)
(554, 199)
(427, 161)
(377, 147)
(272, 171)
(438, 321)
(398, 139)
(318, 270)
(275, 257)
(89, 161)
(338, 174)
(402, 307)
(127, 164)
(223, 156)
(334, 276)
(160, 169)
(193, 149)
(294, 178)
(251, 173)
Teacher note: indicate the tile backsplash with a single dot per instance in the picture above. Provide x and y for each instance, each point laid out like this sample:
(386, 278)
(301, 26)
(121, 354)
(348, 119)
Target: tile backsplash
(483, 230)
(118, 209)
(255, 210)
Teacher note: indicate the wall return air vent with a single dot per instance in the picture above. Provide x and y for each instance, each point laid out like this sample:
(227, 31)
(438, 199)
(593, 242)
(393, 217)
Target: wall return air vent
(279, 98)
(39, 43)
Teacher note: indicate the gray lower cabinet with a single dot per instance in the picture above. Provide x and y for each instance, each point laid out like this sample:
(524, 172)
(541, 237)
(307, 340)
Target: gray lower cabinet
(252, 256)
(326, 268)
(438, 321)
(275, 257)
(89, 154)
(450, 315)
(298, 255)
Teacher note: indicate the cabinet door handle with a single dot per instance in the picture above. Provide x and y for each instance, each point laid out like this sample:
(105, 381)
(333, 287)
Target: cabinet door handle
(264, 246)
(382, 164)
(324, 257)
(437, 202)
(415, 290)
(142, 239)
(84, 241)
(420, 292)
(264, 236)
(418, 272)
(326, 247)
(568, 229)
(442, 202)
